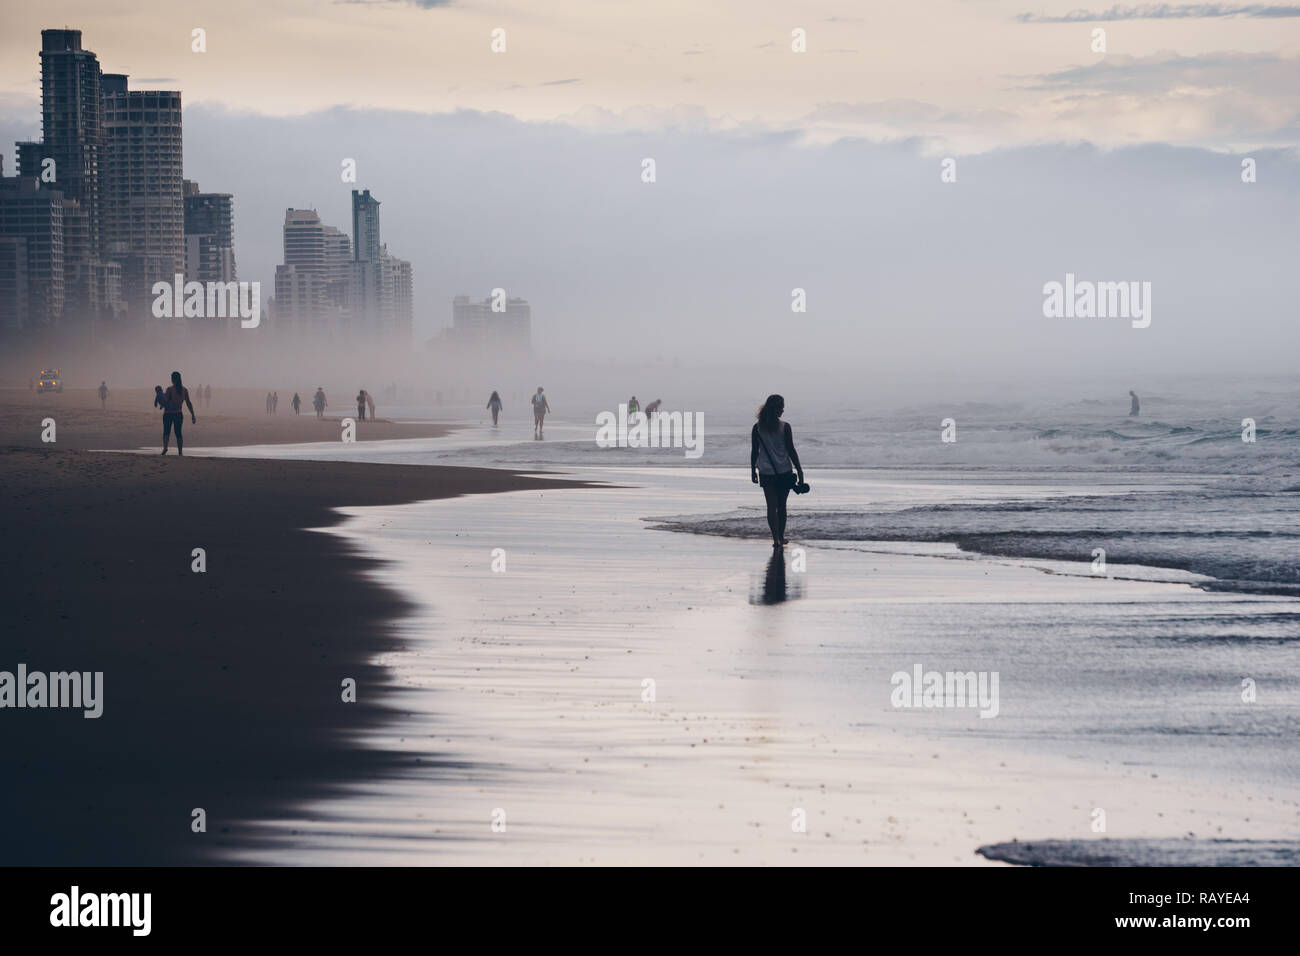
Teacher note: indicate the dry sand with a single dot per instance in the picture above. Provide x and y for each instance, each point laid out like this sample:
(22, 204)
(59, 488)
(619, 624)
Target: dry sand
(236, 417)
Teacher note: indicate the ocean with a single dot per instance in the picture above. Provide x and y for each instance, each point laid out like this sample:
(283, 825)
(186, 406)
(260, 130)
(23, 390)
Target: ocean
(1158, 493)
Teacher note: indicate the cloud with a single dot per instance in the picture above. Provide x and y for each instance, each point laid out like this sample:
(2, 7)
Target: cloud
(1264, 73)
(898, 265)
(1169, 11)
(1217, 99)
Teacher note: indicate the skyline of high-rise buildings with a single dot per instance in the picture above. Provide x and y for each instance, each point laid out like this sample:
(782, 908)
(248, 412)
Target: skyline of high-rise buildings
(98, 200)
(499, 324)
(98, 211)
(347, 290)
(311, 285)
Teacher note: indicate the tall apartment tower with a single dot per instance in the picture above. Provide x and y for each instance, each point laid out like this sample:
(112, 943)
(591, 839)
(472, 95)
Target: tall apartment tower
(209, 235)
(311, 286)
(143, 205)
(380, 286)
(72, 137)
(476, 324)
(403, 328)
(31, 215)
(71, 127)
(365, 226)
(14, 296)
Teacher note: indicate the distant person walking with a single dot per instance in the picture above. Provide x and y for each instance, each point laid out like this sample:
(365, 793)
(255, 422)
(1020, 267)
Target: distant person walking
(1133, 409)
(361, 405)
(296, 403)
(103, 395)
(275, 403)
(175, 399)
(370, 403)
(207, 395)
(268, 403)
(771, 455)
(494, 406)
(540, 407)
(318, 402)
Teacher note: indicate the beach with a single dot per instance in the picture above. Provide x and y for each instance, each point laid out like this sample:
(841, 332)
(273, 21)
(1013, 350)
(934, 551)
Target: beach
(222, 689)
(770, 699)
(235, 417)
(607, 664)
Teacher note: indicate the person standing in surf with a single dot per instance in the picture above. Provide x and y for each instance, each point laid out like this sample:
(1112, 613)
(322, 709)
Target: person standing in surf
(494, 406)
(773, 462)
(540, 407)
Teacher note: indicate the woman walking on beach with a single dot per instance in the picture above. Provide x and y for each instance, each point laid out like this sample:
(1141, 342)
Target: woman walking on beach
(540, 407)
(174, 401)
(771, 455)
(318, 401)
(494, 406)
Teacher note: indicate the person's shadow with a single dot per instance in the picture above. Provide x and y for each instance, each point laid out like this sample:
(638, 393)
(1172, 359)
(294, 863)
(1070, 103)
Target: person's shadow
(773, 588)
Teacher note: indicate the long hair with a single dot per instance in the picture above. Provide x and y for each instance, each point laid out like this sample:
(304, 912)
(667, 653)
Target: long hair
(176, 379)
(770, 413)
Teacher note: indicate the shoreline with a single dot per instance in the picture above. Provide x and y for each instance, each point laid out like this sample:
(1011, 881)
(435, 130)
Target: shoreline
(221, 690)
(479, 690)
(761, 709)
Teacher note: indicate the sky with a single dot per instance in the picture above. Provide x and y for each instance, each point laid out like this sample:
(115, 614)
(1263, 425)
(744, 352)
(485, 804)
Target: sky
(775, 169)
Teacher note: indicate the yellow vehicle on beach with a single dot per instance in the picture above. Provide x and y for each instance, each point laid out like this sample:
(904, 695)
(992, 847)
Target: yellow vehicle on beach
(49, 381)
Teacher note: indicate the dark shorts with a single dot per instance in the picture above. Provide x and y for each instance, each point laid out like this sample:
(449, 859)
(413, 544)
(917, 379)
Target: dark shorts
(775, 481)
(172, 420)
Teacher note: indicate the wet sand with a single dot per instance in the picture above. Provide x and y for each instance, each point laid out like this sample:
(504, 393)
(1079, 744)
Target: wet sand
(222, 689)
(526, 700)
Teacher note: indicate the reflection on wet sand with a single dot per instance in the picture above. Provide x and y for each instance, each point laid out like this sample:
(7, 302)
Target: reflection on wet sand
(774, 586)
